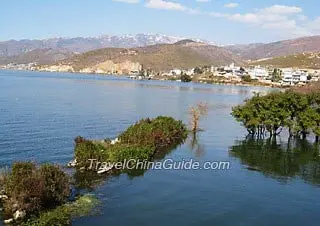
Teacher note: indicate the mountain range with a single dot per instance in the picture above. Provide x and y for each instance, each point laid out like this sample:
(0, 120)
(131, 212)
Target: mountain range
(82, 44)
(83, 52)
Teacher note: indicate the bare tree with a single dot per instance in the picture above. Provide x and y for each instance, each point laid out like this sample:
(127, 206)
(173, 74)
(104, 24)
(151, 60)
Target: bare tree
(196, 112)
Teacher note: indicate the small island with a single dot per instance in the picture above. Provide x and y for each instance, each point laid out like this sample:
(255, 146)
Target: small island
(142, 141)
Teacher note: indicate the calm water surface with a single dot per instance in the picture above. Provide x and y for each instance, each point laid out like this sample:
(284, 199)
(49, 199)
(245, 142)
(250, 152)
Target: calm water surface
(268, 184)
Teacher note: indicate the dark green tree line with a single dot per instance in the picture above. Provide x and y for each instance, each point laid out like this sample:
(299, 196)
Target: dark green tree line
(269, 114)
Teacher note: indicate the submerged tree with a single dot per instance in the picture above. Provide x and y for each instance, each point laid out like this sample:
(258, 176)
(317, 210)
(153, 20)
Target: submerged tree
(196, 112)
(269, 114)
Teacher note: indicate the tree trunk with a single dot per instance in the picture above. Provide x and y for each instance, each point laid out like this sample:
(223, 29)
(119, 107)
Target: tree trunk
(304, 135)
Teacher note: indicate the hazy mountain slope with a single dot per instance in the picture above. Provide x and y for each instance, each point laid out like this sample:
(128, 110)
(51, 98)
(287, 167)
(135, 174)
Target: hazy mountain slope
(275, 49)
(304, 60)
(240, 49)
(157, 57)
(39, 56)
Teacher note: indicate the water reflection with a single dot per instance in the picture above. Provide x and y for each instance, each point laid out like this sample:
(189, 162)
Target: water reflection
(280, 160)
(89, 180)
(195, 146)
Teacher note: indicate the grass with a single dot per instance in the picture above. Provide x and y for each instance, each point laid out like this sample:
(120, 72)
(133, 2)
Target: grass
(141, 141)
(63, 215)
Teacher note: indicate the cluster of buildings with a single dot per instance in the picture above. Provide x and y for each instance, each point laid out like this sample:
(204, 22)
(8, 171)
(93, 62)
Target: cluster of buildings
(280, 76)
(13, 66)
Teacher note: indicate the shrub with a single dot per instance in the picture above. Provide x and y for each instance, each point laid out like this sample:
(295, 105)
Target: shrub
(3, 176)
(246, 78)
(35, 189)
(161, 131)
(86, 149)
(56, 188)
(185, 78)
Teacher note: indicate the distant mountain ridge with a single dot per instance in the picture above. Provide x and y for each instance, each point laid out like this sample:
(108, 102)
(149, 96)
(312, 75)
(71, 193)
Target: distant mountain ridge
(83, 44)
(276, 49)
(38, 56)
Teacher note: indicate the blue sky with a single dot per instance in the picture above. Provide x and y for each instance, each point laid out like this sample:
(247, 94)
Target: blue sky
(221, 21)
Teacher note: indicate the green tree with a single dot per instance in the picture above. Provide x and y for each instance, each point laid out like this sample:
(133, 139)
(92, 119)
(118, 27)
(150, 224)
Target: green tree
(276, 75)
(300, 113)
(198, 70)
(185, 78)
(246, 78)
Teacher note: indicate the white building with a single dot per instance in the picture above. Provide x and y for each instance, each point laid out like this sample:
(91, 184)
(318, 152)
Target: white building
(258, 73)
(287, 77)
(175, 72)
(315, 76)
(299, 76)
(291, 77)
(189, 72)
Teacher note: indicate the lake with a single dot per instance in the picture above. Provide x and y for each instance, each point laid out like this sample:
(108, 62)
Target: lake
(268, 183)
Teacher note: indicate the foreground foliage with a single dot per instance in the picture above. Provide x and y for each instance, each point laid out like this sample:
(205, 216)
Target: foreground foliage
(63, 215)
(42, 194)
(34, 189)
(299, 112)
(142, 141)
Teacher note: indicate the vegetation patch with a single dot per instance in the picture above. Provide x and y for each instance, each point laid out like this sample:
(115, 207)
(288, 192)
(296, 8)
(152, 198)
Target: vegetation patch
(28, 190)
(269, 114)
(63, 215)
(185, 78)
(141, 141)
(32, 195)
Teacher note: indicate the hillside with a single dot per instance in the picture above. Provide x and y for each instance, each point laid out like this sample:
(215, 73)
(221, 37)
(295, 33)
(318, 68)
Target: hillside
(39, 56)
(304, 60)
(186, 54)
(276, 49)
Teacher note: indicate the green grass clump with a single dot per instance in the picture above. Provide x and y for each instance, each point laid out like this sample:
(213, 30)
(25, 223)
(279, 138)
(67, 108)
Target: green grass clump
(63, 215)
(140, 141)
(158, 132)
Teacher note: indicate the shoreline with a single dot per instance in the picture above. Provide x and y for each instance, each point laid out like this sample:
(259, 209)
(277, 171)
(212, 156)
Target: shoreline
(208, 82)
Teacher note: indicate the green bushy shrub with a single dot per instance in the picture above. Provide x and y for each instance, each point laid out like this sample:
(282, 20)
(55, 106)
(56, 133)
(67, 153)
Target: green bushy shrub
(140, 141)
(161, 131)
(35, 189)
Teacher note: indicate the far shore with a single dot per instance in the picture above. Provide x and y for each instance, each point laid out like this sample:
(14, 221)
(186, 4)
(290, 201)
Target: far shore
(162, 78)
